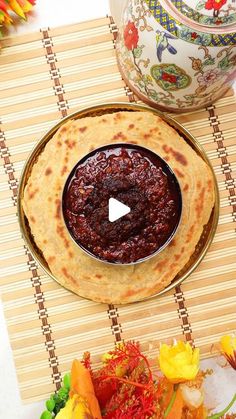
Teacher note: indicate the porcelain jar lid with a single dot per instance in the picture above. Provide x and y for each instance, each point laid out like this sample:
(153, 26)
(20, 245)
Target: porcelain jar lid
(212, 14)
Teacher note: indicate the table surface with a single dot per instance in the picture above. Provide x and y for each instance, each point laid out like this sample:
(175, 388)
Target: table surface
(53, 13)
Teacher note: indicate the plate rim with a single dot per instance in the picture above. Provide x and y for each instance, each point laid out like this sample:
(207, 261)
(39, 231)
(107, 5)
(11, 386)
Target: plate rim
(114, 106)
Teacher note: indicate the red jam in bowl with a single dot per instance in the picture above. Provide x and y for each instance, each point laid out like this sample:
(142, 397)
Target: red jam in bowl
(136, 177)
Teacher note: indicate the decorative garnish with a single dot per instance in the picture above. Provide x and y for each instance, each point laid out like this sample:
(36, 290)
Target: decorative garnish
(127, 374)
(126, 388)
(82, 387)
(179, 362)
(19, 7)
(57, 401)
(228, 348)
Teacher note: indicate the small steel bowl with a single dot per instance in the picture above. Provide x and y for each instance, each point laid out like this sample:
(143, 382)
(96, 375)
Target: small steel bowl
(155, 158)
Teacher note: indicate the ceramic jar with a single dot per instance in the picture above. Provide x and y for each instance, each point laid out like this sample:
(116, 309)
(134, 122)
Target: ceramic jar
(177, 55)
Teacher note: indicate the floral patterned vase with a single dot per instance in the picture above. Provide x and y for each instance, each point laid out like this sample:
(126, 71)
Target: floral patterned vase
(177, 55)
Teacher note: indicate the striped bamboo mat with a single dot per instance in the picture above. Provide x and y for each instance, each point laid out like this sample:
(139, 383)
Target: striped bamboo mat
(43, 77)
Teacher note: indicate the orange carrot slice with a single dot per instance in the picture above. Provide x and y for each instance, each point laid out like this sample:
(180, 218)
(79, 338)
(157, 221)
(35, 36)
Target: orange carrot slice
(177, 407)
(81, 383)
(168, 394)
(201, 413)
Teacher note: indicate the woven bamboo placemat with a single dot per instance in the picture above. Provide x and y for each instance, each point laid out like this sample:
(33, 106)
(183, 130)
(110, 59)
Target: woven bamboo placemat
(43, 77)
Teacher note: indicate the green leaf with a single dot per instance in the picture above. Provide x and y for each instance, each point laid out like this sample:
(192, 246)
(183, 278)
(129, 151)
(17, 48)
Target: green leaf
(66, 381)
(200, 5)
(209, 61)
(137, 52)
(154, 96)
(46, 415)
(141, 85)
(63, 393)
(224, 64)
(188, 97)
(50, 404)
(59, 406)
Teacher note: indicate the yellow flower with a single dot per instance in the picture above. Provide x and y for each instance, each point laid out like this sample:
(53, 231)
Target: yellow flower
(75, 408)
(179, 362)
(120, 369)
(4, 15)
(5, 18)
(20, 7)
(228, 348)
(26, 5)
(16, 8)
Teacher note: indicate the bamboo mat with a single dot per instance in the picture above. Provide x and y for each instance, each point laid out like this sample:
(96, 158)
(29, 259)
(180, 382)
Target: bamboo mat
(43, 77)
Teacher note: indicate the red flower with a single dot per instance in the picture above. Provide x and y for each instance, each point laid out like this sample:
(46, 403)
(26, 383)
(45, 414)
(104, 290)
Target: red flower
(214, 4)
(194, 35)
(169, 77)
(3, 6)
(131, 36)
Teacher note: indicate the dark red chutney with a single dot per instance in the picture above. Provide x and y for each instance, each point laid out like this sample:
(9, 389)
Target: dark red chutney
(139, 179)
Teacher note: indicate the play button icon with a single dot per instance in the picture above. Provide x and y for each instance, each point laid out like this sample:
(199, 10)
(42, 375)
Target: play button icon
(117, 210)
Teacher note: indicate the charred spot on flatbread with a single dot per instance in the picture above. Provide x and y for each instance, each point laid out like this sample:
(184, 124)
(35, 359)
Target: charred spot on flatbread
(119, 136)
(48, 171)
(64, 170)
(33, 192)
(70, 143)
(83, 129)
(178, 156)
(179, 173)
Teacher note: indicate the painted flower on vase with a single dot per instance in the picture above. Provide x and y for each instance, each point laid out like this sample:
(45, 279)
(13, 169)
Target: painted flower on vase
(214, 4)
(170, 77)
(209, 77)
(194, 37)
(131, 36)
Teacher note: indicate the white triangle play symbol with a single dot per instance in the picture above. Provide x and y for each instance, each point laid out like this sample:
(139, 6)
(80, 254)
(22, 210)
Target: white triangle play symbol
(117, 210)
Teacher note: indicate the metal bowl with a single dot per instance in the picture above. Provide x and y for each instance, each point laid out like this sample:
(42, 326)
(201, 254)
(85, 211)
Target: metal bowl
(102, 109)
(166, 169)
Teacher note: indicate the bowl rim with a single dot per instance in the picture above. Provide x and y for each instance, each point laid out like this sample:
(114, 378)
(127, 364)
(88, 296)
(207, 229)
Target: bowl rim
(105, 108)
(167, 167)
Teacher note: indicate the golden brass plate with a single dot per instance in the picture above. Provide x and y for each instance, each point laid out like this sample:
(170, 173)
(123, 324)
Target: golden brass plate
(209, 230)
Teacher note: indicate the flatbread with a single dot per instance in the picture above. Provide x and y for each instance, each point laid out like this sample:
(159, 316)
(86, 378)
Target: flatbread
(42, 205)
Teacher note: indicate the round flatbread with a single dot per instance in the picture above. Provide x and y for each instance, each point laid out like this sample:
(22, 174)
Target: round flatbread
(42, 204)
